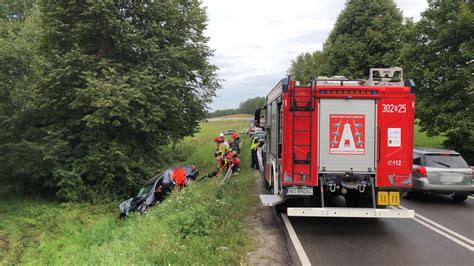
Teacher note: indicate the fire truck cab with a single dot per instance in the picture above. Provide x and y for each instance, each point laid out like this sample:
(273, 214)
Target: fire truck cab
(339, 137)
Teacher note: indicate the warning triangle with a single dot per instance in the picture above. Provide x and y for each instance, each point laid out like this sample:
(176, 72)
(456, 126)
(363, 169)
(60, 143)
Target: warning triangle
(347, 139)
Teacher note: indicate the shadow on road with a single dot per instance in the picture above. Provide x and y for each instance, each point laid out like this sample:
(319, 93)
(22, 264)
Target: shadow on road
(435, 199)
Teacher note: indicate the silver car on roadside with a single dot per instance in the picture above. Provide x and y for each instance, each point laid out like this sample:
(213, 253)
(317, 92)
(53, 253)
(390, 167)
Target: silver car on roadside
(441, 171)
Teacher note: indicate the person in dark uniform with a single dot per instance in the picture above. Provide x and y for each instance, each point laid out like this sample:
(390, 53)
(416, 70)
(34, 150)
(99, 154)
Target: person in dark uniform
(236, 144)
(253, 150)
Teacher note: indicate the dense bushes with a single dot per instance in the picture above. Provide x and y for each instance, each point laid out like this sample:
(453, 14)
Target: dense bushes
(92, 92)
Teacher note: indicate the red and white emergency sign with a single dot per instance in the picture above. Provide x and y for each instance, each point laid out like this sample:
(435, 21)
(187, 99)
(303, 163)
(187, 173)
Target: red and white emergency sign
(347, 134)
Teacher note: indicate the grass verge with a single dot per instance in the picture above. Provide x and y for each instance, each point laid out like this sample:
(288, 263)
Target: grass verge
(422, 140)
(199, 225)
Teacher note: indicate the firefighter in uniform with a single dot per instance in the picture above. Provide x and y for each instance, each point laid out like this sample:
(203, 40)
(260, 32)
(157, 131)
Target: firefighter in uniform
(236, 144)
(220, 151)
(253, 150)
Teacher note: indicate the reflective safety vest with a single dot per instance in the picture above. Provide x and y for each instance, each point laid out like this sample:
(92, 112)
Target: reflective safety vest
(254, 144)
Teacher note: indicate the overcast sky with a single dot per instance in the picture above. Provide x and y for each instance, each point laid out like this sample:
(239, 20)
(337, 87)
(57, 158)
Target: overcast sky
(255, 41)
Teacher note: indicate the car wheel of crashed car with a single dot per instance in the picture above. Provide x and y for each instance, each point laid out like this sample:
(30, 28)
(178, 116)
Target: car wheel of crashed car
(459, 197)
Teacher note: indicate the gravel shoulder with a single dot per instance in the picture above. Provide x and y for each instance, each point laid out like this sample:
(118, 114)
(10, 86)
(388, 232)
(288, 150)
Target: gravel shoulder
(270, 248)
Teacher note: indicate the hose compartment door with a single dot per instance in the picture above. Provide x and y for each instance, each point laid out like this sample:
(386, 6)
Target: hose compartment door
(347, 135)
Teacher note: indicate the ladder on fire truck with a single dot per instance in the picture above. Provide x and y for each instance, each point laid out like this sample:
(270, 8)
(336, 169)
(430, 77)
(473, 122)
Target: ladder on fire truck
(302, 107)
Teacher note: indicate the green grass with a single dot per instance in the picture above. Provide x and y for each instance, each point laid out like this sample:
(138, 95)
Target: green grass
(422, 140)
(199, 225)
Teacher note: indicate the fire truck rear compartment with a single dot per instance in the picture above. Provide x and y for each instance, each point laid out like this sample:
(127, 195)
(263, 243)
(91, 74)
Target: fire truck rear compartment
(347, 136)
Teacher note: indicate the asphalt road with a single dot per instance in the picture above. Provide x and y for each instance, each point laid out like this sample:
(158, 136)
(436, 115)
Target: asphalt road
(345, 241)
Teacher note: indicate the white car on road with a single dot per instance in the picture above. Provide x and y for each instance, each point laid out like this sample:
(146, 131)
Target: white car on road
(441, 171)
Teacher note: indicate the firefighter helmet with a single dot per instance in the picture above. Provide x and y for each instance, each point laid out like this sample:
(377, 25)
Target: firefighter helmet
(236, 161)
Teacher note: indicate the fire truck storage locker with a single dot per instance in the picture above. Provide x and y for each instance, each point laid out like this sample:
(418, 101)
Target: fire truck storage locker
(347, 135)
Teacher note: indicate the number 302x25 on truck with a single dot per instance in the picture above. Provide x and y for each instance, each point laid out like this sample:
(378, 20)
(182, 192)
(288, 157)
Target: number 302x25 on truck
(338, 137)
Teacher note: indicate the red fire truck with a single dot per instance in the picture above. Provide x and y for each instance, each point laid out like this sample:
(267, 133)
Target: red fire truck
(339, 137)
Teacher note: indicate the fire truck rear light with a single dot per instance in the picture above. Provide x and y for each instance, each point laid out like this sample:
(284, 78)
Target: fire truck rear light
(421, 171)
(400, 180)
(375, 92)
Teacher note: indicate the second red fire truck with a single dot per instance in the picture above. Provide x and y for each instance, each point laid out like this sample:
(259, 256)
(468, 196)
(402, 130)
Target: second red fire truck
(338, 137)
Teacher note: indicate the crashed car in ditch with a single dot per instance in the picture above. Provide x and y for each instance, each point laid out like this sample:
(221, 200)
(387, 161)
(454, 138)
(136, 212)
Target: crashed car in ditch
(148, 196)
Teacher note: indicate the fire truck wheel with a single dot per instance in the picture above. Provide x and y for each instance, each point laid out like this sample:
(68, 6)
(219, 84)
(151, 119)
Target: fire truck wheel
(459, 197)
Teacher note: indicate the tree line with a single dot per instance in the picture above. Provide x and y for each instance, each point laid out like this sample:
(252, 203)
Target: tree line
(92, 92)
(436, 52)
(246, 107)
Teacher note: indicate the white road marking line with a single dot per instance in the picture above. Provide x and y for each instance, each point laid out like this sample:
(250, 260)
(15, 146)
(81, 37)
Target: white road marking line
(471, 242)
(450, 237)
(296, 242)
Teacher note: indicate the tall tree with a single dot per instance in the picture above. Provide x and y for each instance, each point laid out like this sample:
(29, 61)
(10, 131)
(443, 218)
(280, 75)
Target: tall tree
(307, 66)
(119, 80)
(366, 34)
(440, 59)
(18, 71)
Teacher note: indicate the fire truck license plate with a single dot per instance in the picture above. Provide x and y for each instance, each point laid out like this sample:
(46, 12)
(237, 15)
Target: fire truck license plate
(299, 191)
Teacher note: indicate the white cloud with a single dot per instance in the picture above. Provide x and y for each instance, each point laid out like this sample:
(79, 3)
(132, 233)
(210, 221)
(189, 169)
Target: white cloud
(255, 41)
